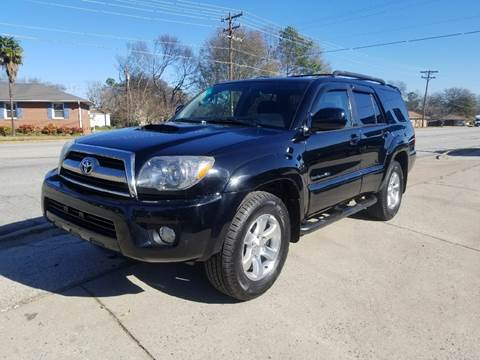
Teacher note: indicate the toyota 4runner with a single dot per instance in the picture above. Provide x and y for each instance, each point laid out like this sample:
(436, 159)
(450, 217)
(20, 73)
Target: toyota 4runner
(240, 172)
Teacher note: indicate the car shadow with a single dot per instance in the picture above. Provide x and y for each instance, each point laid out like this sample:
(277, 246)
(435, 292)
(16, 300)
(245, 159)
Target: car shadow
(182, 280)
(19, 225)
(57, 262)
(468, 152)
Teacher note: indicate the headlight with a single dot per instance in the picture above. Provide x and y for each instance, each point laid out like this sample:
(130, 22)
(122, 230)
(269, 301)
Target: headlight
(66, 147)
(174, 172)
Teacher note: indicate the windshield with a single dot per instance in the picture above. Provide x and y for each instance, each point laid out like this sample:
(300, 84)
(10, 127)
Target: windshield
(254, 103)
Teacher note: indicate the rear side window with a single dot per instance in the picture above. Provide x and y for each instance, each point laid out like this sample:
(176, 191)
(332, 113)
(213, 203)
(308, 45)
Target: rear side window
(394, 106)
(378, 113)
(399, 115)
(367, 114)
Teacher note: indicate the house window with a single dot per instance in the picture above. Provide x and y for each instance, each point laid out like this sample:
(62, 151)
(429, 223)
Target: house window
(58, 111)
(8, 111)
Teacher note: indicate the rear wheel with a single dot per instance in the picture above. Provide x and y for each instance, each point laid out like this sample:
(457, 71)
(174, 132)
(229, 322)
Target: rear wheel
(390, 196)
(254, 249)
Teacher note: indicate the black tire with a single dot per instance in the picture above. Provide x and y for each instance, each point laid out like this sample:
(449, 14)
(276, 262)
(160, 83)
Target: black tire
(380, 209)
(225, 271)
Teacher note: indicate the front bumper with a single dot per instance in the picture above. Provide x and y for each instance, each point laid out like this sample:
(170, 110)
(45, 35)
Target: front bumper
(200, 223)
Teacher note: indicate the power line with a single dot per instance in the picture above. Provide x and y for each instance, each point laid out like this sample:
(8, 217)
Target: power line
(114, 13)
(378, 11)
(124, 38)
(405, 41)
(36, 38)
(140, 17)
(347, 14)
(188, 10)
(427, 76)
(164, 10)
(129, 39)
(409, 27)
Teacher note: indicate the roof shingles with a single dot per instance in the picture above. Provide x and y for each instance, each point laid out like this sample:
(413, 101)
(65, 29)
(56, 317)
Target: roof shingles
(37, 93)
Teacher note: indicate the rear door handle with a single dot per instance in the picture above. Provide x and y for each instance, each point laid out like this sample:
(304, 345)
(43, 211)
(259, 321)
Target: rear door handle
(354, 139)
(386, 132)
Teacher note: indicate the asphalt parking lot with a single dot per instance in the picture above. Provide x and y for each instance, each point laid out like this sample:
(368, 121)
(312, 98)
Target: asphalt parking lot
(359, 289)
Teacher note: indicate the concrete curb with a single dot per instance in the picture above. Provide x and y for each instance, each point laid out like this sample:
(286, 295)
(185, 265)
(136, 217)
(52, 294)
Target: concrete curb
(35, 229)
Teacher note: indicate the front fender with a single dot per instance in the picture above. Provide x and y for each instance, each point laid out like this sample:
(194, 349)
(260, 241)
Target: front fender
(267, 169)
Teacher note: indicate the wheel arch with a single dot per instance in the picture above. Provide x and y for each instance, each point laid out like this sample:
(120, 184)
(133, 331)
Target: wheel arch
(402, 158)
(287, 191)
(397, 153)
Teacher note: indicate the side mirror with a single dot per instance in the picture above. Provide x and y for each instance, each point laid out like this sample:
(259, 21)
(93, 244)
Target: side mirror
(328, 119)
(179, 108)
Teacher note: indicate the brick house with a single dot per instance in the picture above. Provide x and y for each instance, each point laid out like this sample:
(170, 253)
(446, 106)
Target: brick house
(416, 119)
(40, 105)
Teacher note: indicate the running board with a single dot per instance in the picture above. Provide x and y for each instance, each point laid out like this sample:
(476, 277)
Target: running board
(337, 213)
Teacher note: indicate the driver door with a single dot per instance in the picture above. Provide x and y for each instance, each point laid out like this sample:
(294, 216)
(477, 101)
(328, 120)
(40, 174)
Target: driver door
(332, 157)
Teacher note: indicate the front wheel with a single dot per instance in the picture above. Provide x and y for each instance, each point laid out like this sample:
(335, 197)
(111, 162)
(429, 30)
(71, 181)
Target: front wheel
(390, 196)
(254, 249)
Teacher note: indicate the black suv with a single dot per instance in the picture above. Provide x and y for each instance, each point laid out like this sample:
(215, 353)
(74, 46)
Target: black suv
(241, 171)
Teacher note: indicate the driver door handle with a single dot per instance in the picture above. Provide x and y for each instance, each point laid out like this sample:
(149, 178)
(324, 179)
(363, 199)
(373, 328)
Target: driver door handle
(354, 139)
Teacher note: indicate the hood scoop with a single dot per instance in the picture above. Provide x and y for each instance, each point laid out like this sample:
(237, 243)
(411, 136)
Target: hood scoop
(172, 128)
(162, 128)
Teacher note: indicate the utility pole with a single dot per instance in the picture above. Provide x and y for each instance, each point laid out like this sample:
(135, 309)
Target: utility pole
(427, 75)
(127, 88)
(230, 35)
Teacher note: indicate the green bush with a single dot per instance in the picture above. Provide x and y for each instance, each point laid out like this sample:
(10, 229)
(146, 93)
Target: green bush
(5, 131)
(49, 129)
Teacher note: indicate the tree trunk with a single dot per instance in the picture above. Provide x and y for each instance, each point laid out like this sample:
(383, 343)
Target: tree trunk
(10, 93)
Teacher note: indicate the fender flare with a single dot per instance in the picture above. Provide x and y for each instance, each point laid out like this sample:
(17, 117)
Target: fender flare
(392, 154)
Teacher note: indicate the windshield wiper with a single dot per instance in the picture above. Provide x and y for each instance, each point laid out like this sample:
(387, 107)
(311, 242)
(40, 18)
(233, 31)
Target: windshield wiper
(219, 120)
(187, 120)
(230, 121)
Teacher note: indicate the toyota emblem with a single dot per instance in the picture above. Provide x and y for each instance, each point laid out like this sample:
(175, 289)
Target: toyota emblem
(88, 165)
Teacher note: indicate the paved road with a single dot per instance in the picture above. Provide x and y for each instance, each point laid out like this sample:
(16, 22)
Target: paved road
(436, 139)
(22, 167)
(406, 289)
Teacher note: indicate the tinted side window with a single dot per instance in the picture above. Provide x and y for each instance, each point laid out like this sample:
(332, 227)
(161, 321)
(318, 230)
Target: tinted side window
(399, 115)
(365, 108)
(378, 113)
(334, 99)
(394, 106)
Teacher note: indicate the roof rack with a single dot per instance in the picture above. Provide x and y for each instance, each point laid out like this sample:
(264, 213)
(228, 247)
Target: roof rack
(358, 76)
(306, 75)
(346, 74)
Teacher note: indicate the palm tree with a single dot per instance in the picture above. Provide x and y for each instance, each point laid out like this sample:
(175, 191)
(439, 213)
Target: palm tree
(11, 56)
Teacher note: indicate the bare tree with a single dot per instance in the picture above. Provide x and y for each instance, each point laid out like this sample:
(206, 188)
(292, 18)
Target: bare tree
(252, 57)
(159, 77)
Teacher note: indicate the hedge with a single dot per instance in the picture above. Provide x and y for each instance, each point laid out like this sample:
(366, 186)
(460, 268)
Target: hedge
(49, 129)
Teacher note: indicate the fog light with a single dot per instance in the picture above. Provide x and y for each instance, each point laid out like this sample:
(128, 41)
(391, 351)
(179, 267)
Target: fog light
(164, 236)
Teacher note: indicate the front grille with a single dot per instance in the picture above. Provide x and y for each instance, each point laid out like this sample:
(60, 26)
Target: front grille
(103, 160)
(109, 175)
(85, 220)
(96, 182)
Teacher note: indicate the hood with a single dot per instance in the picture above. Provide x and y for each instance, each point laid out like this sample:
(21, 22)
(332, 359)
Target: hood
(179, 138)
